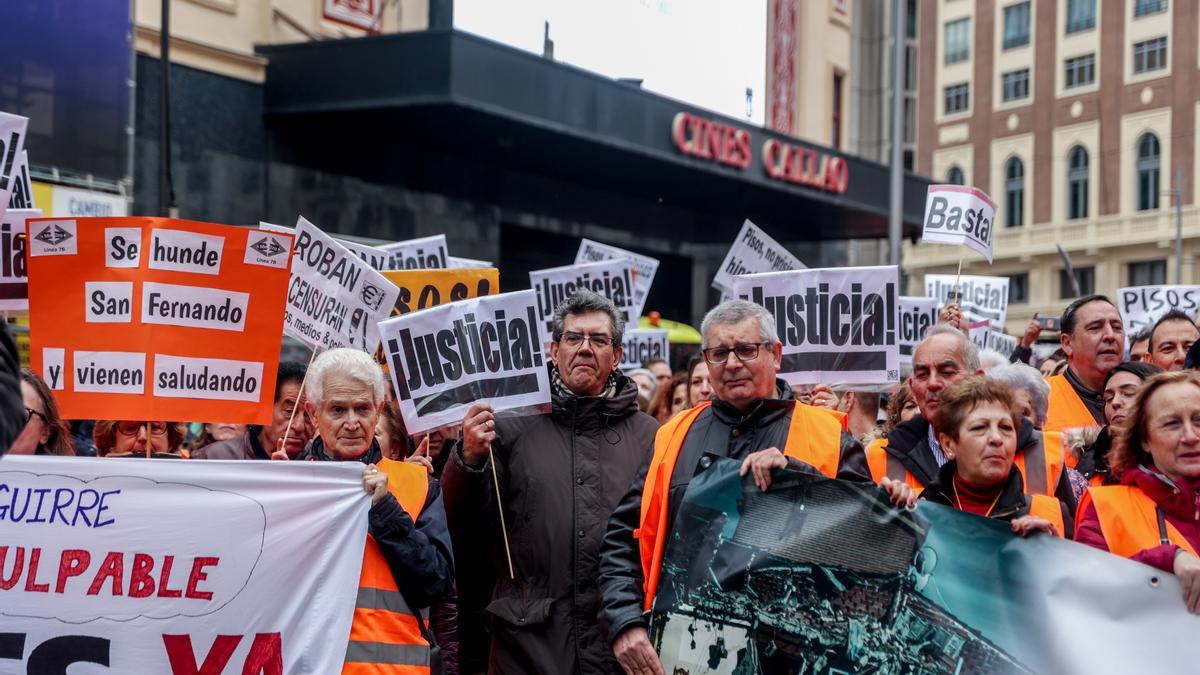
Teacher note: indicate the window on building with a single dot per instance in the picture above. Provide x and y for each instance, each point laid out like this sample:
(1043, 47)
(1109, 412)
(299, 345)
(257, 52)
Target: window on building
(1014, 192)
(1080, 71)
(1016, 25)
(1086, 276)
(1149, 273)
(1018, 288)
(1081, 15)
(1148, 165)
(1144, 7)
(1077, 183)
(911, 16)
(958, 41)
(911, 63)
(836, 121)
(954, 176)
(958, 98)
(1150, 55)
(1015, 85)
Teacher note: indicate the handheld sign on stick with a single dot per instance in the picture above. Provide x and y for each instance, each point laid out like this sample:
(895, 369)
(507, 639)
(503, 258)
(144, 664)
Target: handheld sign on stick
(753, 252)
(960, 216)
(645, 266)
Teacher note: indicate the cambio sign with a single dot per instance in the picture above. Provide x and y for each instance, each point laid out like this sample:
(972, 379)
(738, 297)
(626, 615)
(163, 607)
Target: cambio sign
(150, 318)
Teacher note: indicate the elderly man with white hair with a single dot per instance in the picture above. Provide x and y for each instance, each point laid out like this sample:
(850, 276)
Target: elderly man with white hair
(407, 564)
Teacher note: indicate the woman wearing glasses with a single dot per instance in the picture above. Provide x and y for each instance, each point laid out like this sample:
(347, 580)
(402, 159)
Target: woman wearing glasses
(44, 433)
(124, 438)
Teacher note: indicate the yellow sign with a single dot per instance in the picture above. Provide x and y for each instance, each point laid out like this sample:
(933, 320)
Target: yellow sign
(422, 289)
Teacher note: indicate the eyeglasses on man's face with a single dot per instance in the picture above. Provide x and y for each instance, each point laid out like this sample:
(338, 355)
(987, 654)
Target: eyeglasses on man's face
(597, 341)
(131, 429)
(745, 351)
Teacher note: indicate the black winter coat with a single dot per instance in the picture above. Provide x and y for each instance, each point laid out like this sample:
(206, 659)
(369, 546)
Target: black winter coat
(560, 475)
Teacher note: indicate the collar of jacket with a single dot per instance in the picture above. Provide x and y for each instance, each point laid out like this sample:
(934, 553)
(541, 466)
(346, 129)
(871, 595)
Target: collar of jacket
(1177, 497)
(622, 403)
(1010, 504)
(315, 451)
(762, 410)
(909, 442)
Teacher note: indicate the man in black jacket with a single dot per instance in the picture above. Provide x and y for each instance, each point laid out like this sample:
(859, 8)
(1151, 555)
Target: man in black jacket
(560, 476)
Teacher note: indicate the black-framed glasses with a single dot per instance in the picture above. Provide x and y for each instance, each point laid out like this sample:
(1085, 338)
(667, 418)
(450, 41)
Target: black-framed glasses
(746, 351)
(131, 429)
(573, 339)
(30, 412)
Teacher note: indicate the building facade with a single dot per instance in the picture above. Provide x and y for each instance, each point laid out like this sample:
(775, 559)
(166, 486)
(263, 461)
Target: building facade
(1078, 117)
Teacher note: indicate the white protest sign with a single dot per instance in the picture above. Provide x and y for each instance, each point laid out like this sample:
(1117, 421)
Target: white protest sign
(425, 253)
(983, 298)
(962, 216)
(22, 192)
(614, 279)
(456, 263)
(483, 350)
(838, 325)
(641, 345)
(645, 266)
(12, 145)
(753, 251)
(1142, 306)
(334, 298)
(916, 316)
(14, 272)
(986, 338)
(377, 258)
(102, 568)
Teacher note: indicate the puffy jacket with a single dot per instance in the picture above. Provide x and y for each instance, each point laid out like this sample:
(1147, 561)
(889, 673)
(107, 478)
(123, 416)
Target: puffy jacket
(560, 477)
(720, 430)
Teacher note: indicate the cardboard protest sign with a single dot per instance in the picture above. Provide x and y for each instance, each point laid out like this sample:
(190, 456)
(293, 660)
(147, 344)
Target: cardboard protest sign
(22, 192)
(104, 566)
(983, 298)
(334, 298)
(962, 216)
(14, 275)
(644, 266)
(614, 279)
(753, 252)
(456, 263)
(838, 325)
(425, 253)
(916, 316)
(1142, 306)
(446, 358)
(157, 319)
(642, 344)
(12, 145)
(422, 289)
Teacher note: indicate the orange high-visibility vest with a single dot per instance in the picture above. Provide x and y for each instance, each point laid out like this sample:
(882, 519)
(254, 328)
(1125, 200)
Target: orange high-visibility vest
(384, 637)
(1066, 409)
(1046, 457)
(1048, 508)
(814, 437)
(1129, 520)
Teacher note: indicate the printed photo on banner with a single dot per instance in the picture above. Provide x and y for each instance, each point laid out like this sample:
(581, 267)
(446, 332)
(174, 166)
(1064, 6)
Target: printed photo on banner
(837, 325)
(641, 345)
(753, 252)
(981, 298)
(12, 145)
(1142, 306)
(153, 318)
(917, 315)
(644, 266)
(14, 275)
(424, 253)
(422, 289)
(101, 570)
(614, 279)
(960, 216)
(447, 358)
(334, 298)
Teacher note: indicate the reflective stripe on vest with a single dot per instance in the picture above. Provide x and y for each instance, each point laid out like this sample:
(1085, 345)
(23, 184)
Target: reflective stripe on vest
(883, 463)
(814, 437)
(1128, 520)
(1048, 508)
(385, 637)
(1066, 410)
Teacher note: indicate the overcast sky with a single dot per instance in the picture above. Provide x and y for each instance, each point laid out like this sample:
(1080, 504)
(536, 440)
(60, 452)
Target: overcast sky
(705, 52)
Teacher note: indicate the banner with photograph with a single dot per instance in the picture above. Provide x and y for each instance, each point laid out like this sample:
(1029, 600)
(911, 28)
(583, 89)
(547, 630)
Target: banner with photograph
(447, 358)
(642, 344)
(917, 315)
(644, 267)
(1142, 306)
(983, 298)
(753, 252)
(837, 325)
(157, 319)
(960, 216)
(614, 279)
(126, 566)
(825, 576)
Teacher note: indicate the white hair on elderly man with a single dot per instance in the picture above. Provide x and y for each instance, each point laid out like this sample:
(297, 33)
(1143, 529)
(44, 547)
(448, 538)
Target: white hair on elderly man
(737, 311)
(355, 364)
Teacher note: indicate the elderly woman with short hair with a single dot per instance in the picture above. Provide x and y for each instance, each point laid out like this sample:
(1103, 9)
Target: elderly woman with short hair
(408, 563)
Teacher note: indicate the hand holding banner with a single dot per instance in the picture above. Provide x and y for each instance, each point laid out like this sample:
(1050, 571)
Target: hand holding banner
(614, 279)
(485, 350)
(753, 252)
(962, 216)
(644, 266)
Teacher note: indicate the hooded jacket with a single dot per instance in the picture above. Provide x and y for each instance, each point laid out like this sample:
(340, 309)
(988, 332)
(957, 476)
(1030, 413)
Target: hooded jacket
(721, 430)
(560, 476)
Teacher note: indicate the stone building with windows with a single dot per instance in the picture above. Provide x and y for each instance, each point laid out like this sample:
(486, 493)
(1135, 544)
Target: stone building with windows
(1079, 118)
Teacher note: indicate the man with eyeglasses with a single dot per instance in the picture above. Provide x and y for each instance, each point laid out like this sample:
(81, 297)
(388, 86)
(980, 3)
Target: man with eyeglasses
(1093, 338)
(752, 418)
(559, 475)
